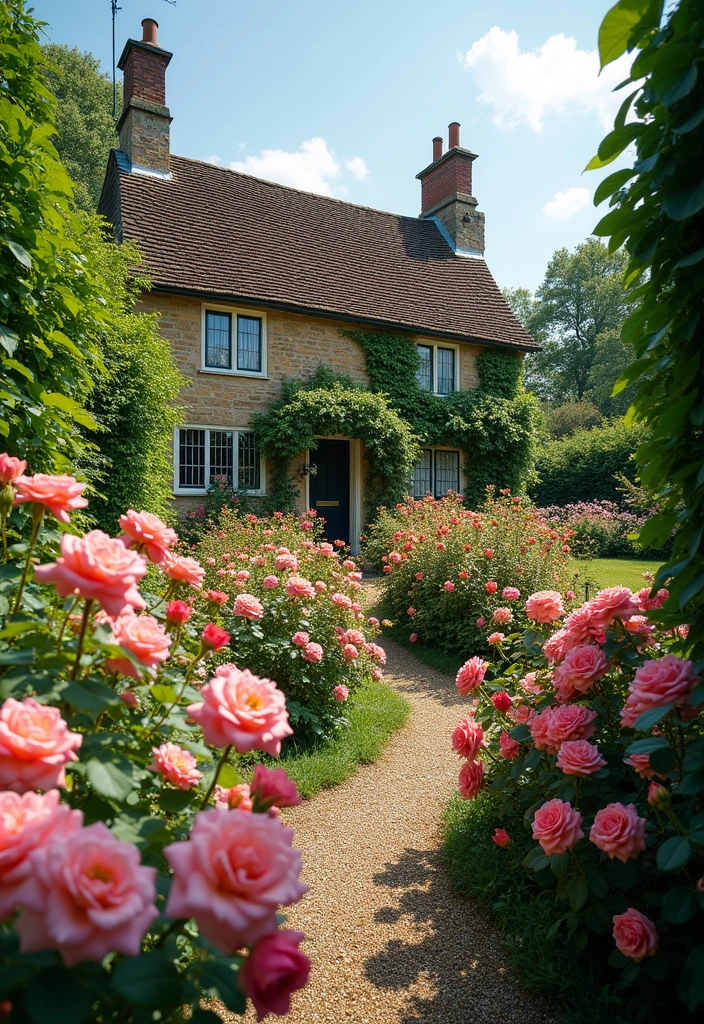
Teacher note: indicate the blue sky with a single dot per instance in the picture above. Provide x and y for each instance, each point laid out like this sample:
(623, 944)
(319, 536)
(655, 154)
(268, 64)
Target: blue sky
(345, 99)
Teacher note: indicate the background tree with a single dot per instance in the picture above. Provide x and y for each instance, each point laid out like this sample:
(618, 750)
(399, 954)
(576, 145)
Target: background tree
(84, 122)
(582, 297)
(572, 416)
(611, 357)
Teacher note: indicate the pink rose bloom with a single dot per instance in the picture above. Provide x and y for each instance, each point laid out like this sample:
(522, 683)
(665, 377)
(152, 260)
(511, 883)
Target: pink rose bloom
(467, 739)
(511, 593)
(613, 603)
(377, 673)
(273, 971)
(183, 570)
(350, 652)
(471, 779)
(300, 639)
(178, 766)
(471, 675)
(271, 582)
(628, 717)
(529, 683)
(218, 597)
(272, 786)
(508, 748)
(285, 560)
(618, 831)
(495, 638)
(582, 666)
(539, 727)
(413, 638)
(214, 638)
(639, 626)
(667, 680)
(35, 745)
(296, 586)
(348, 564)
(59, 494)
(10, 468)
(570, 722)
(178, 612)
(96, 567)
(26, 822)
(130, 699)
(340, 693)
(579, 757)
(247, 606)
(582, 627)
(87, 895)
(641, 765)
(411, 610)
(501, 837)
(449, 585)
(147, 531)
(491, 587)
(502, 615)
(312, 652)
(144, 637)
(646, 603)
(341, 600)
(521, 713)
(326, 549)
(557, 646)
(242, 710)
(234, 798)
(635, 934)
(545, 606)
(481, 621)
(556, 826)
(232, 874)
(356, 637)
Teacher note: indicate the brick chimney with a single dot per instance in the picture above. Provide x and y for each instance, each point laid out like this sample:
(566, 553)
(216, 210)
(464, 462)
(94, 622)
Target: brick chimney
(446, 195)
(144, 123)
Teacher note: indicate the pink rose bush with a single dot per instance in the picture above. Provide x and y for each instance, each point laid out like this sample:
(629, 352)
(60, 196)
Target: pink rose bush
(35, 746)
(596, 740)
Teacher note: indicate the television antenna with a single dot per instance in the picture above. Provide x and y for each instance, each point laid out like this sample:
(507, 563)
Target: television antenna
(114, 9)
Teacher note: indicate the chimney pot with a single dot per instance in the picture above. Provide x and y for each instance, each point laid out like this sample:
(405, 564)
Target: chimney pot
(149, 27)
(437, 148)
(454, 135)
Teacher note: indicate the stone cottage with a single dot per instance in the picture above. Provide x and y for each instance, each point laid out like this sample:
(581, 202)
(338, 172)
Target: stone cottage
(254, 282)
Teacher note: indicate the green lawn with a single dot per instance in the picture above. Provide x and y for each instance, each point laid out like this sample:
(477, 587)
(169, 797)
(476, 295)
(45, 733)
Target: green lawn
(613, 572)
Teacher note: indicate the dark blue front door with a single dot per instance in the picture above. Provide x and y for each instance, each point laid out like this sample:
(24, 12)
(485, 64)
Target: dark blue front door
(330, 487)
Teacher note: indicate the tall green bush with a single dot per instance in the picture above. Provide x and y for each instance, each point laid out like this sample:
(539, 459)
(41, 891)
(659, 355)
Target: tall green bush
(582, 467)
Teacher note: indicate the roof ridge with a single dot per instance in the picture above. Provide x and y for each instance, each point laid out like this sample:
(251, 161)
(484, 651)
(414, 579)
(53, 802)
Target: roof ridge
(305, 192)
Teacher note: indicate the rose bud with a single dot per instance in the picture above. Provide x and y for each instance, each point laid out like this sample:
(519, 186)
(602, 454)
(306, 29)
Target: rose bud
(501, 837)
(501, 701)
(178, 612)
(214, 637)
(272, 787)
(658, 796)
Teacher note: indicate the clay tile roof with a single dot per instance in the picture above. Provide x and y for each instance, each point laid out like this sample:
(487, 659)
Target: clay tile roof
(218, 233)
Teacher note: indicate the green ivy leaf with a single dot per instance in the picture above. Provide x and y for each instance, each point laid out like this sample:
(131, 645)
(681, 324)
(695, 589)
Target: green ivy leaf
(148, 980)
(679, 905)
(674, 853)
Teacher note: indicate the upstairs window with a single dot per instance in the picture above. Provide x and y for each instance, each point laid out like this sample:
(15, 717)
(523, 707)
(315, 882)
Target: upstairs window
(207, 455)
(438, 370)
(436, 472)
(234, 343)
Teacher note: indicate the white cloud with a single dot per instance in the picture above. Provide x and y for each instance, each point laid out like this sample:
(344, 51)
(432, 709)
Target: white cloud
(557, 78)
(213, 159)
(566, 204)
(313, 167)
(357, 167)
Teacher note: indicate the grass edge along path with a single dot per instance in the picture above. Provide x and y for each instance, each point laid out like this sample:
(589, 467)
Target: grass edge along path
(375, 712)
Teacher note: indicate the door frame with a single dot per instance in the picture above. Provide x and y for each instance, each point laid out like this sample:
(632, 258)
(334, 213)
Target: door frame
(355, 485)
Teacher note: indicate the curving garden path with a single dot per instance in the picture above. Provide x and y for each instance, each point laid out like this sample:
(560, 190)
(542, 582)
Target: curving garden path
(389, 941)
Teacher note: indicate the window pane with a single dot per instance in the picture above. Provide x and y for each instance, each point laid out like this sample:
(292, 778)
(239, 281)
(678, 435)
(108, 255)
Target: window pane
(249, 343)
(446, 371)
(447, 472)
(191, 458)
(424, 376)
(221, 454)
(217, 340)
(422, 481)
(249, 462)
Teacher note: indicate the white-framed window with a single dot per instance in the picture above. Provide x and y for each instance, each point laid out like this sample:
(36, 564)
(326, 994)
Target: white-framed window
(203, 455)
(439, 370)
(233, 341)
(436, 472)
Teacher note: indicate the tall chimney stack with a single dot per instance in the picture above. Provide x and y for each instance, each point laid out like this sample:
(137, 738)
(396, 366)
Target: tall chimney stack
(446, 195)
(145, 121)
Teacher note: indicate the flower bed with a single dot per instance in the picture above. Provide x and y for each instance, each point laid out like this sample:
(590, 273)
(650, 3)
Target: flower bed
(598, 529)
(138, 874)
(588, 731)
(293, 612)
(456, 577)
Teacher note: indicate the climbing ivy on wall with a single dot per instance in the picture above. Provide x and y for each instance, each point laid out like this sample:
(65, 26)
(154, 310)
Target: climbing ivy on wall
(330, 404)
(493, 424)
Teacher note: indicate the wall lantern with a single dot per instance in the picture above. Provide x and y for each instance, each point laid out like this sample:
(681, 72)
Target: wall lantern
(308, 470)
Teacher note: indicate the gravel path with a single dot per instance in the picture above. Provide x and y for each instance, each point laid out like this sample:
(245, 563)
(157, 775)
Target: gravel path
(390, 943)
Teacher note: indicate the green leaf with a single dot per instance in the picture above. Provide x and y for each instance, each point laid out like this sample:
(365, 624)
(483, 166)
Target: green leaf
(679, 905)
(560, 864)
(56, 996)
(685, 203)
(577, 892)
(647, 746)
(111, 779)
(692, 784)
(164, 694)
(173, 801)
(228, 777)
(19, 253)
(75, 410)
(148, 980)
(598, 918)
(691, 982)
(649, 718)
(221, 977)
(621, 876)
(620, 23)
(611, 184)
(674, 853)
(9, 340)
(521, 733)
(662, 760)
(597, 883)
(90, 694)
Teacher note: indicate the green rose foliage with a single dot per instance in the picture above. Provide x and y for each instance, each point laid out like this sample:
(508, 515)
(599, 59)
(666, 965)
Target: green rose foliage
(657, 213)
